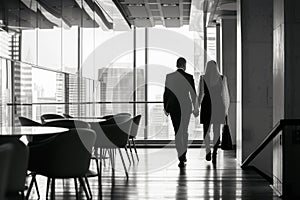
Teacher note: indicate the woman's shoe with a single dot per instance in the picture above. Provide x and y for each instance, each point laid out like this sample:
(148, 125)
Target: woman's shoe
(208, 156)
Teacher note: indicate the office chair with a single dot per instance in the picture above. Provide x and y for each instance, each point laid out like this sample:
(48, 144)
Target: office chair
(133, 133)
(17, 169)
(50, 116)
(64, 156)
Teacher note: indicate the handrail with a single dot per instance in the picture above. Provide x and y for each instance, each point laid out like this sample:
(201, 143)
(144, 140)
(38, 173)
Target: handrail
(276, 129)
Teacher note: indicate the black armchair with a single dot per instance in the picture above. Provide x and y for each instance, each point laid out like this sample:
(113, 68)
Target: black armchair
(67, 115)
(65, 156)
(50, 116)
(17, 168)
(111, 137)
(6, 151)
(119, 114)
(133, 133)
(28, 122)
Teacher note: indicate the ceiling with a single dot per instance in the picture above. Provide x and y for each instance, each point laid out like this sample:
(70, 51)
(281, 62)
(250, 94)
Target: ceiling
(27, 14)
(220, 9)
(93, 13)
(148, 13)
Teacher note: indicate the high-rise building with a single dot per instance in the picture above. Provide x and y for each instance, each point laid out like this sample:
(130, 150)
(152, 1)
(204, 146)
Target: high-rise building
(116, 85)
(73, 92)
(59, 93)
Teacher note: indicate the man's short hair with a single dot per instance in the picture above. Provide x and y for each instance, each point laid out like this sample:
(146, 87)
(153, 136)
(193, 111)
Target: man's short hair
(180, 62)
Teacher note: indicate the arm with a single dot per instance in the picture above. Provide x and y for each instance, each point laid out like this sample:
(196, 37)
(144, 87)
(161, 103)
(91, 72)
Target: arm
(194, 98)
(225, 95)
(193, 93)
(166, 96)
(200, 92)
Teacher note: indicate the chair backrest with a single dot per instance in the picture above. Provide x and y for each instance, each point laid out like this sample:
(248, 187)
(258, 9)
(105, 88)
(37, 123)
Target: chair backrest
(126, 114)
(116, 119)
(28, 122)
(6, 151)
(65, 156)
(50, 116)
(67, 115)
(106, 116)
(18, 165)
(135, 125)
(68, 123)
(119, 114)
(112, 135)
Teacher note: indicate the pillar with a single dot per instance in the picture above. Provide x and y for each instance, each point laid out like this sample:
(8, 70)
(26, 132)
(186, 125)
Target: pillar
(228, 63)
(286, 102)
(255, 80)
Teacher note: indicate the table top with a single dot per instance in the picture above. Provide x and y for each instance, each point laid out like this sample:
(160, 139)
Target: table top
(81, 119)
(30, 130)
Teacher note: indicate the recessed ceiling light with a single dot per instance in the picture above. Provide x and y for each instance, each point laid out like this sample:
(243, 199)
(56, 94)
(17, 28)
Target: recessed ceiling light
(166, 4)
(136, 5)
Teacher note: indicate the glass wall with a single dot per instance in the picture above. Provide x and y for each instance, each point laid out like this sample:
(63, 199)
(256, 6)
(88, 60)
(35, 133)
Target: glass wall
(165, 46)
(67, 60)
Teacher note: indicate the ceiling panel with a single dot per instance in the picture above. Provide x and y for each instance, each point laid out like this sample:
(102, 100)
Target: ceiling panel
(169, 13)
(134, 1)
(172, 22)
(142, 23)
(138, 11)
(169, 1)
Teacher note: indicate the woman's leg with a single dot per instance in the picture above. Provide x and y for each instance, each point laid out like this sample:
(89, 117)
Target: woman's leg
(206, 129)
(216, 129)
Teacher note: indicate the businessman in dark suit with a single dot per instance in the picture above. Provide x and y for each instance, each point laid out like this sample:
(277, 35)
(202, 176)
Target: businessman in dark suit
(179, 98)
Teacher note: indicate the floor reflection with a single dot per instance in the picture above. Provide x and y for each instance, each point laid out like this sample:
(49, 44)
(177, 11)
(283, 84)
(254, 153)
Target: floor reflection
(151, 178)
(181, 189)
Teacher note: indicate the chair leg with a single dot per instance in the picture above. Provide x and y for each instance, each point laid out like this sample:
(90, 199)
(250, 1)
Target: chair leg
(76, 189)
(99, 170)
(123, 162)
(135, 149)
(110, 151)
(53, 189)
(88, 186)
(127, 155)
(47, 189)
(129, 144)
(37, 188)
(82, 183)
(30, 185)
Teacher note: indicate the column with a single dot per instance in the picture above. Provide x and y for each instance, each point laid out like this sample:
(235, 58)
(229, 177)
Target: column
(286, 102)
(228, 62)
(255, 79)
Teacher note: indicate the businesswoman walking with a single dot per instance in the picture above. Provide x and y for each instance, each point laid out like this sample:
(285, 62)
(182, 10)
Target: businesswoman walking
(213, 97)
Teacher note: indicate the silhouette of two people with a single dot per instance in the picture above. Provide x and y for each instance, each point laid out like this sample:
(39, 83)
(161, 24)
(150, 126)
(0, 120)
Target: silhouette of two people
(181, 100)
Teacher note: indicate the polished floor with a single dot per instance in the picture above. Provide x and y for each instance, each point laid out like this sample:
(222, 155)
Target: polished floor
(156, 176)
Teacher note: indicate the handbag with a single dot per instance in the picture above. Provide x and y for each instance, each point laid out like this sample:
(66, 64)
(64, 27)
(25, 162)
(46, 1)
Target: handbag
(226, 143)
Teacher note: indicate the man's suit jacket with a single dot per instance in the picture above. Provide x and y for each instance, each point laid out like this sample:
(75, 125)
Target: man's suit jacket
(179, 93)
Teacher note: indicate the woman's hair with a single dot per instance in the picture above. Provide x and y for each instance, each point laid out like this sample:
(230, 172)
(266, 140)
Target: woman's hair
(212, 74)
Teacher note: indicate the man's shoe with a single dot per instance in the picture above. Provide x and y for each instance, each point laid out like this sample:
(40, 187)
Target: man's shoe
(208, 156)
(181, 164)
(214, 158)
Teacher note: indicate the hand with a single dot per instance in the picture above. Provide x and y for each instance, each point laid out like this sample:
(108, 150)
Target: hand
(167, 114)
(196, 112)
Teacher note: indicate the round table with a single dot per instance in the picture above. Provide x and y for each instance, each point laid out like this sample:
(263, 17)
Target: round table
(88, 120)
(30, 130)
